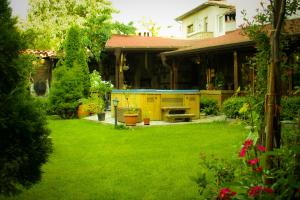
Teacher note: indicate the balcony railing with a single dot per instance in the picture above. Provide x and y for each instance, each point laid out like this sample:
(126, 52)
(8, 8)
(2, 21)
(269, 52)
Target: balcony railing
(200, 35)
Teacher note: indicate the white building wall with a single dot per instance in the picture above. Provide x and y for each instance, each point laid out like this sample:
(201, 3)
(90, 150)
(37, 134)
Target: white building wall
(212, 13)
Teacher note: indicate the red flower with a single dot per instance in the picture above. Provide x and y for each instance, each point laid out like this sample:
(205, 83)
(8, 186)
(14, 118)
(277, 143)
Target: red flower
(248, 143)
(257, 190)
(258, 169)
(226, 193)
(268, 190)
(261, 148)
(243, 152)
(253, 161)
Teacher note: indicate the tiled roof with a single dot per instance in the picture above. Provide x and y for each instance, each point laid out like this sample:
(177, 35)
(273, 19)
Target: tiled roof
(231, 39)
(140, 42)
(40, 53)
(222, 4)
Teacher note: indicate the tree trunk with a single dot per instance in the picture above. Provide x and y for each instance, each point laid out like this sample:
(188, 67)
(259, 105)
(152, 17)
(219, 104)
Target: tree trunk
(273, 87)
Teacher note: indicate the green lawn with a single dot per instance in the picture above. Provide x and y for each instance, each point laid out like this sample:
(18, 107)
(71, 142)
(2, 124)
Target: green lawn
(95, 161)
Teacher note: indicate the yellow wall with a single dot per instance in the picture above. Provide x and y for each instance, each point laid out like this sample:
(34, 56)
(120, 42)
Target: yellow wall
(151, 103)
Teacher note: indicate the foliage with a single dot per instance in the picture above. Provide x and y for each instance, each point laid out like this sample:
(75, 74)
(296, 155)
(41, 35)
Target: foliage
(290, 108)
(43, 104)
(216, 173)
(24, 142)
(150, 26)
(75, 56)
(209, 106)
(98, 85)
(232, 106)
(66, 91)
(93, 16)
(93, 104)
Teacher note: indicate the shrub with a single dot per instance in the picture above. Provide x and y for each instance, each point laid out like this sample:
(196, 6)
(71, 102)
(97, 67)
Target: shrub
(232, 106)
(290, 108)
(209, 106)
(67, 90)
(24, 142)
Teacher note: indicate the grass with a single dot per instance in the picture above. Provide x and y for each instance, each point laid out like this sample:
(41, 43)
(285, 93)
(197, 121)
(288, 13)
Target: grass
(95, 161)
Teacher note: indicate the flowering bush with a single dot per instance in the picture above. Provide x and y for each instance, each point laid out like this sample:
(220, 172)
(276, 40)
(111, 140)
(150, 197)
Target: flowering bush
(98, 85)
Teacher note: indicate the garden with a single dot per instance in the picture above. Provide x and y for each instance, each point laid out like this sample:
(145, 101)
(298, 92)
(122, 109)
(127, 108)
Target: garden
(95, 161)
(46, 152)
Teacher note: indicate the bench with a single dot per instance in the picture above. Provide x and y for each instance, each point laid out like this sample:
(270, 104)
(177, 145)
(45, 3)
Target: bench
(179, 117)
(176, 113)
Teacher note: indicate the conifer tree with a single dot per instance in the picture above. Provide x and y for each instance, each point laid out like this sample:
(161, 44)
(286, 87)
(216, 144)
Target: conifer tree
(24, 141)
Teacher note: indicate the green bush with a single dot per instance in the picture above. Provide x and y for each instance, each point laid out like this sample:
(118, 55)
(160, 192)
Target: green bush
(24, 142)
(232, 106)
(209, 106)
(290, 108)
(66, 92)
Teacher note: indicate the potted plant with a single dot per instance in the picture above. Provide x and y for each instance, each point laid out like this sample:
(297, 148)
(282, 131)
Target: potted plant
(131, 114)
(95, 105)
(146, 117)
(98, 90)
(131, 117)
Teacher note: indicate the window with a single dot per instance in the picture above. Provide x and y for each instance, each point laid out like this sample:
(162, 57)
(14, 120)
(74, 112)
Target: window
(220, 23)
(190, 28)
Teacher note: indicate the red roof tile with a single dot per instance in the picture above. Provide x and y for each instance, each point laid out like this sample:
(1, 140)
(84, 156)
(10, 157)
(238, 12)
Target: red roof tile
(140, 42)
(233, 38)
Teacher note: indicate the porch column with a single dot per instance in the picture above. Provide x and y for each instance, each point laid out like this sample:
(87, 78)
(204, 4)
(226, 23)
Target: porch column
(117, 64)
(175, 74)
(235, 70)
(121, 74)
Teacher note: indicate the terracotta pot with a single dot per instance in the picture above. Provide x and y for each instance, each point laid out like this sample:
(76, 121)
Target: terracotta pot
(147, 121)
(130, 119)
(81, 112)
(101, 116)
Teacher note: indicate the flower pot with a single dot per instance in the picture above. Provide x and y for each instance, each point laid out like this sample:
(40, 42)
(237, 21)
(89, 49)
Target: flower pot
(101, 116)
(147, 121)
(130, 119)
(81, 112)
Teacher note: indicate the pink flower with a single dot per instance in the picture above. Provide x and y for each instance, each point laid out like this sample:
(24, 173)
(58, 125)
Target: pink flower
(243, 152)
(226, 194)
(253, 161)
(261, 148)
(248, 143)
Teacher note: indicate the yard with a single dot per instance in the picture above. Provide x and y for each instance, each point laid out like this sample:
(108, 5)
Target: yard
(95, 161)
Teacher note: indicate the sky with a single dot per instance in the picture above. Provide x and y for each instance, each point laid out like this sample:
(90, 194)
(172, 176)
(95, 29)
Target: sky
(161, 12)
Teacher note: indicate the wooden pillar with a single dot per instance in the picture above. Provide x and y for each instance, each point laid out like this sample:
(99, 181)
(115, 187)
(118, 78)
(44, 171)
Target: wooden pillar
(117, 64)
(175, 74)
(171, 77)
(121, 74)
(235, 70)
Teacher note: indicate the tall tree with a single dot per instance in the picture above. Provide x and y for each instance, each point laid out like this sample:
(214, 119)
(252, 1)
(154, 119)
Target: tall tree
(24, 141)
(51, 19)
(279, 9)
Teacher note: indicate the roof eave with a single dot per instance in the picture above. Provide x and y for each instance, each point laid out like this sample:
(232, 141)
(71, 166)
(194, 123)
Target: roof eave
(200, 7)
(209, 49)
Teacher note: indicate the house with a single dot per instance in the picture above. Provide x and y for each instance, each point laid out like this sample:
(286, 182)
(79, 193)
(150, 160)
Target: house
(210, 19)
(213, 58)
